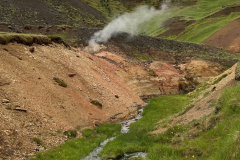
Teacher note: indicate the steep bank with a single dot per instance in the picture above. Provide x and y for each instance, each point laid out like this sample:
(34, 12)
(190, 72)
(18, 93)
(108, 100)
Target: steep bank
(33, 104)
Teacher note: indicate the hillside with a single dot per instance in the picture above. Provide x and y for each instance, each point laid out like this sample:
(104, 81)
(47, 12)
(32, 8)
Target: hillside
(71, 70)
(50, 12)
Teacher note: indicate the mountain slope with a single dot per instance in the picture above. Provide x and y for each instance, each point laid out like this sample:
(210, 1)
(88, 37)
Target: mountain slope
(50, 12)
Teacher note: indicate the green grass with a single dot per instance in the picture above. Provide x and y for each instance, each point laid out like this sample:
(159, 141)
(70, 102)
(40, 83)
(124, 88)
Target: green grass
(221, 140)
(71, 133)
(203, 29)
(81, 147)
(137, 139)
(215, 137)
(197, 12)
(27, 39)
(109, 9)
(219, 79)
(113, 8)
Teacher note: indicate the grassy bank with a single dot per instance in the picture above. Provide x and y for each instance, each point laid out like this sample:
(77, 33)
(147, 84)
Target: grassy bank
(137, 139)
(214, 137)
(203, 29)
(27, 39)
(81, 147)
(197, 12)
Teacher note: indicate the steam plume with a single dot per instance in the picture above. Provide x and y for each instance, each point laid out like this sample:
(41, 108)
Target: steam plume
(128, 22)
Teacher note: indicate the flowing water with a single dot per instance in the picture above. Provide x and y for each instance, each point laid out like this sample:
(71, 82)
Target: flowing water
(125, 128)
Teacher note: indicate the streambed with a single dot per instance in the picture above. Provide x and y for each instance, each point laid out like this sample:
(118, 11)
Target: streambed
(125, 128)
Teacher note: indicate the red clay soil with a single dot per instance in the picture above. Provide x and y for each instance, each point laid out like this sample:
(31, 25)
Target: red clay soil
(227, 38)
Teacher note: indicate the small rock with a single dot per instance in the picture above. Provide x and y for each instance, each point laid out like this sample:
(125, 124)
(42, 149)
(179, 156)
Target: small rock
(214, 88)
(40, 27)
(5, 101)
(5, 49)
(98, 123)
(27, 27)
(10, 152)
(71, 74)
(32, 49)
(116, 96)
(20, 109)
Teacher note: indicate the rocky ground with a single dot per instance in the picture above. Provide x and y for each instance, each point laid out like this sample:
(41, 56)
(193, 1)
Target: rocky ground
(50, 12)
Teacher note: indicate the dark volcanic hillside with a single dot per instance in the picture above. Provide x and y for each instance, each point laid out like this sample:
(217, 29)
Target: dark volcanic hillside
(51, 12)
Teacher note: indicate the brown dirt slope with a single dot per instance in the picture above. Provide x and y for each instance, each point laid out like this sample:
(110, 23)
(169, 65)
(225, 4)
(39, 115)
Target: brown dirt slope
(227, 37)
(26, 84)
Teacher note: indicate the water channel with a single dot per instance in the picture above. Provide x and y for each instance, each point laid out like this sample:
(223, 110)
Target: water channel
(125, 128)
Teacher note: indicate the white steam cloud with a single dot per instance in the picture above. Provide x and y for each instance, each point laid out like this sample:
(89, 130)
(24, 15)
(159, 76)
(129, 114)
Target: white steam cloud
(128, 22)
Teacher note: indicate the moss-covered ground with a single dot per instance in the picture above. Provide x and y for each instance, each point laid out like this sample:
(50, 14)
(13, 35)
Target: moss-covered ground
(23, 38)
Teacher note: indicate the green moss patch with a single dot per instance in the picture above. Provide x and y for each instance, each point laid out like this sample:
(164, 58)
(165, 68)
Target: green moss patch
(60, 82)
(27, 39)
(97, 103)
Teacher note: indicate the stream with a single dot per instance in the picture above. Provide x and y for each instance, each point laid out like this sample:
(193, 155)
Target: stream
(125, 128)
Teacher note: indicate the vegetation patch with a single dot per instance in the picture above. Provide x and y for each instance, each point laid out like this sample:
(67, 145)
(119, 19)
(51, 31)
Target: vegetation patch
(203, 29)
(138, 139)
(97, 103)
(152, 73)
(197, 11)
(71, 133)
(38, 141)
(81, 147)
(9, 108)
(219, 79)
(60, 82)
(64, 27)
(214, 137)
(27, 39)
